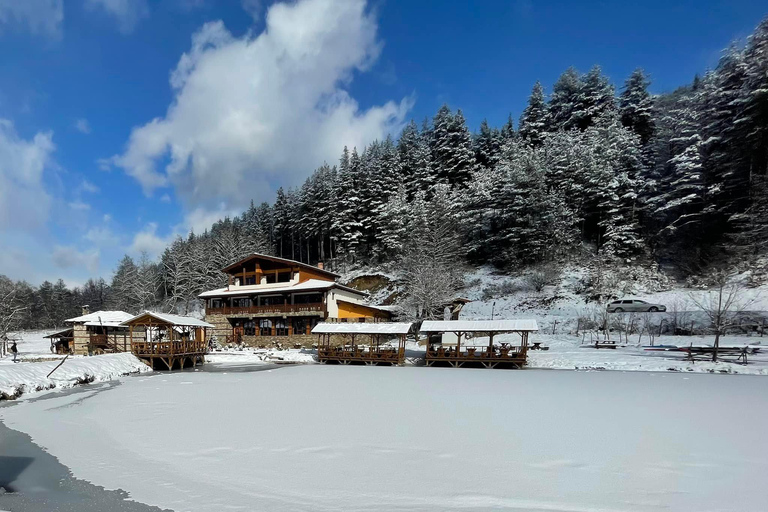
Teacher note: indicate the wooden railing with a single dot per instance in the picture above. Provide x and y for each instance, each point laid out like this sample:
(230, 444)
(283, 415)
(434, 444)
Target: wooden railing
(316, 307)
(176, 347)
(116, 342)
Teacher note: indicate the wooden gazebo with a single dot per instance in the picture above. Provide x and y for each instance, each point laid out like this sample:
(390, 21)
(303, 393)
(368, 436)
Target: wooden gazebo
(165, 341)
(450, 343)
(379, 349)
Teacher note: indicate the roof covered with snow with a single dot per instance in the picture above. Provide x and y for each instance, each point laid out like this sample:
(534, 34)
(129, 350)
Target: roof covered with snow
(479, 325)
(105, 318)
(184, 321)
(362, 328)
(277, 259)
(262, 289)
(64, 333)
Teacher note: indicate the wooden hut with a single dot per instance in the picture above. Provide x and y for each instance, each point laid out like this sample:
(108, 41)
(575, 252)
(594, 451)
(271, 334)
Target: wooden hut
(351, 338)
(165, 341)
(61, 341)
(461, 343)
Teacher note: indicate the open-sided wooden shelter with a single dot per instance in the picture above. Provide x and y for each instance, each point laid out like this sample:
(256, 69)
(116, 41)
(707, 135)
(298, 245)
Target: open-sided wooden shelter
(445, 346)
(378, 335)
(61, 341)
(165, 341)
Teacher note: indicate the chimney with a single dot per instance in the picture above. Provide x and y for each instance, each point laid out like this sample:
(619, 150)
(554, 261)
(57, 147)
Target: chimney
(86, 310)
(320, 265)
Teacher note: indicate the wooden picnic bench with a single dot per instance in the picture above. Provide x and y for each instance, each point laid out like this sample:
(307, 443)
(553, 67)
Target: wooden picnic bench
(693, 352)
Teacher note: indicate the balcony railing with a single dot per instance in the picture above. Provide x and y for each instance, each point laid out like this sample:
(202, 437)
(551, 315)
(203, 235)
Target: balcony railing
(276, 309)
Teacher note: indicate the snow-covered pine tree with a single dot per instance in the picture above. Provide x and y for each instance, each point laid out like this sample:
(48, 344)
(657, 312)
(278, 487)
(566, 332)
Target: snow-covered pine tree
(636, 106)
(452, 155)
(487, 144)
(595, 100)
(534, 122)
(565, 100)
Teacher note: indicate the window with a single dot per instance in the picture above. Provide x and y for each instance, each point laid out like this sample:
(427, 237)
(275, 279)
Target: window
(300, 326)
(250, 280)
(361, 319)
(281, 327)
(249, 328)
(272, 301)
(283, 277)
(626, 302)
(265, 327)
(217, 303)
(241, 302)
(308, 298)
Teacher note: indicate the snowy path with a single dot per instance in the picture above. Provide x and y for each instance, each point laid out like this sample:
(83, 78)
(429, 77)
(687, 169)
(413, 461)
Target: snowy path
(366, 438)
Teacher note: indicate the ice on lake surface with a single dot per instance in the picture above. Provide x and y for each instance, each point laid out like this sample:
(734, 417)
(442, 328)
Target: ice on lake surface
(328, 438)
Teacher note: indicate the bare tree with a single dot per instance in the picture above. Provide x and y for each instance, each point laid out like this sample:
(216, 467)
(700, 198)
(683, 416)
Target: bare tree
(11, 308)
(722, 305)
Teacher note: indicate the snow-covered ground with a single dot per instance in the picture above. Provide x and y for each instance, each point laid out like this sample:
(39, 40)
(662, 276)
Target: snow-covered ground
(501, 296)
(35, 362)
(23, 378)
(255, 356)
(313, 437)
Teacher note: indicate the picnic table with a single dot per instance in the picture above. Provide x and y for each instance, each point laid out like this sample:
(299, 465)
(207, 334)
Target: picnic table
(536, 345)
(706, 351)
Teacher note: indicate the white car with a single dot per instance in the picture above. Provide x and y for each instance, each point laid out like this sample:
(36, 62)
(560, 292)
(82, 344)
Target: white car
(634, 306)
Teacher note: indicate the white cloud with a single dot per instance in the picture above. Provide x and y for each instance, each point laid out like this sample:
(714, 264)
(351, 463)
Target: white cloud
(24, 203)
(89, 187)
(255, 111)
(39, 16)
(101, 236)
(165, 198)
(253, 8)
(66, 257)
(79, 206)
(83, 126)
(148, 241)
(128, 13)
(200, 219)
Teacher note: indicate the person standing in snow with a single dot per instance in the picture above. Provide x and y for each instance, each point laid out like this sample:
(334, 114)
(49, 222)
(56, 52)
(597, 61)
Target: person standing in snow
(15, 351)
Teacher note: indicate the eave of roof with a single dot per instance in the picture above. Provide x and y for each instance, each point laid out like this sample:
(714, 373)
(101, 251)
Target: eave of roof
(527, 325)
(307, 286)
(277, 259)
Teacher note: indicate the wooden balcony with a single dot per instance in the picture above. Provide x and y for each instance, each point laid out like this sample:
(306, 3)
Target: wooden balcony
(277, 309)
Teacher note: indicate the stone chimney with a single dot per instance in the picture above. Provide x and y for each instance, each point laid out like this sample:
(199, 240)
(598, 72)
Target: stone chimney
(320, 265)
(86, 310)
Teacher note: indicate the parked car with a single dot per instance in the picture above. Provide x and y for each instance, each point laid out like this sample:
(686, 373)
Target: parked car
(634, 306)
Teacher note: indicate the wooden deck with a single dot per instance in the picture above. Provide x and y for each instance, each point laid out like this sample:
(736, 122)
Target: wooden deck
(357, 355)
(497, 357)
(170, 355)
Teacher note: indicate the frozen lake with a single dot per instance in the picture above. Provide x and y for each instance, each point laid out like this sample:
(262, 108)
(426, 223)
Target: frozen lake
(367, 438)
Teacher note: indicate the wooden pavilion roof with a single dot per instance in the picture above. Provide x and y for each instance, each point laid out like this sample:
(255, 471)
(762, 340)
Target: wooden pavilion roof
(165, 319)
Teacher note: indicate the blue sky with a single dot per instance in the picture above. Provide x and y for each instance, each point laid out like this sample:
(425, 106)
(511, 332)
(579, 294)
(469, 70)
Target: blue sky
(126, 122)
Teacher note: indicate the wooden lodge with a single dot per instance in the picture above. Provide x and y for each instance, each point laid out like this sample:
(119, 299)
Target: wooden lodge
(98, 333)
(362, 343)
(272, 301)
(455, 343)
(168, 342)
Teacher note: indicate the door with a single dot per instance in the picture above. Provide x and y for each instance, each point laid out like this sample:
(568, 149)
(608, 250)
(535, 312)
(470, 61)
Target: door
(237, 332)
